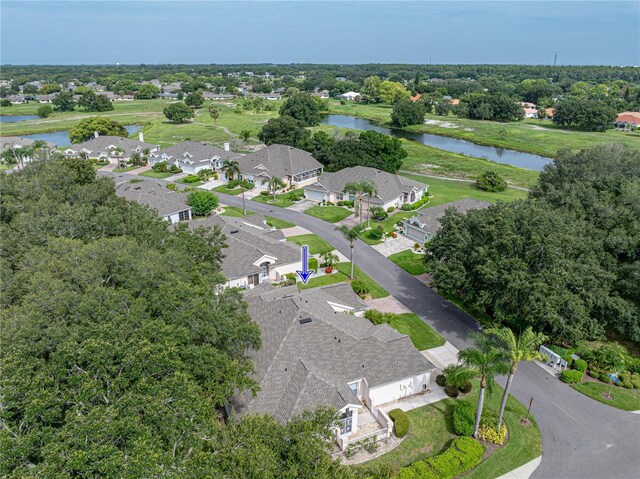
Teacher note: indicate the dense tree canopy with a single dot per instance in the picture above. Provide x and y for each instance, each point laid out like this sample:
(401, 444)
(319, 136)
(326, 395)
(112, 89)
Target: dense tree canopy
(566, 261)
(498, 107)
(92, 102)
(147, 91)
(85, 129)
(584, 114)
(285, 130)
(178, 112)
(64, 101)
(406, 113)
(120, 346)
(303, 107)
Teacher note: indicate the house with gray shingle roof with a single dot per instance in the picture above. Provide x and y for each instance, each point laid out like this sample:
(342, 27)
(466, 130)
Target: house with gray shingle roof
(392, 190)
(170, 205)
(293, 166)
(112, 148)
(192, 156)
(314, 354)
(426, 223)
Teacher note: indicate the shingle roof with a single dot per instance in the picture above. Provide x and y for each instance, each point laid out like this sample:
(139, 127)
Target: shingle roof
(101, 144)
(194, 151)
(7, 142)
(155, 195)
(278, 161)
(302, 366)
(429, 218)
(388, 185)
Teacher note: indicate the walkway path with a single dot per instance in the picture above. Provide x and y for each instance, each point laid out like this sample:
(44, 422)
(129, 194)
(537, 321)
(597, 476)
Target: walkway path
(582, 438)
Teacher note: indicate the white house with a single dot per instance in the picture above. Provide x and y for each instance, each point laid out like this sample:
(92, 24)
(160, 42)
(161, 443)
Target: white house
(170, 205)
(192, 156)
(111, 148)
(350, 96)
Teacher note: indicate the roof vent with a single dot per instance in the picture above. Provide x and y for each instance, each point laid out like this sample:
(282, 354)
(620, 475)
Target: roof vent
(232, 232)
(304, 320)
(137, 188)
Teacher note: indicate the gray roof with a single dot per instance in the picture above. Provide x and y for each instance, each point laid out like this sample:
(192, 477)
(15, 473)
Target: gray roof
(428, 219)
(102, 144)
(248, 240)
(388, 185)
(278, 161)
(155, 195)
(303, 366)
(7, 142)
(194, 151)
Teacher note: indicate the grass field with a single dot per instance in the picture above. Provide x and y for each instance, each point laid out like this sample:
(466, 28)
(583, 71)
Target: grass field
(342, 275)
(332, 214)
(227, 191)
(156, 174)
(233, 211)
(409, 261)
(627, 399)
(431, 430)
(278, 223)
(316, 244)
(422, 335)
(281, 201)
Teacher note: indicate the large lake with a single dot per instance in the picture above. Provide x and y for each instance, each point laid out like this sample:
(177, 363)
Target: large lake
(60, 138)
(499, 155)
(14, 118)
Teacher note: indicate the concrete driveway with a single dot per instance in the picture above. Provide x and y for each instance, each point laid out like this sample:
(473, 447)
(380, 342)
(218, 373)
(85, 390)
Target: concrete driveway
(302, 205)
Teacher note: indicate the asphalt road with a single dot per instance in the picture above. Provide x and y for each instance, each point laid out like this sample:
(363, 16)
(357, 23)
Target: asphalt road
(582, 438)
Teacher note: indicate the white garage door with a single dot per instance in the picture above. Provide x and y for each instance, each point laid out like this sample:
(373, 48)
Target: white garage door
(314, 195)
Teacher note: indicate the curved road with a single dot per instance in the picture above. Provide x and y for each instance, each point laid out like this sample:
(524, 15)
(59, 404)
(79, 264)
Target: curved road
(582, 438)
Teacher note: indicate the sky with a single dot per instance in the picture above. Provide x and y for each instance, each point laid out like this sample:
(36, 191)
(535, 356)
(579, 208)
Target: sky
(509, 31)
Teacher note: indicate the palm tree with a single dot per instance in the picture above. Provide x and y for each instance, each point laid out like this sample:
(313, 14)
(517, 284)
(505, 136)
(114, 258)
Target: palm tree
(488, 361)
(275, 184)
(214, 112)
(351, 235)
(524, 347)
(357, 188)
(458, 376)
(135, 158)
(231, 168)
(370, 190)
(329, 258)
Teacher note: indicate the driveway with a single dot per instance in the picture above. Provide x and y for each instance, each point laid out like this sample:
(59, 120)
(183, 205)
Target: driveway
(394, 245)
(582, 438)
(302, 205)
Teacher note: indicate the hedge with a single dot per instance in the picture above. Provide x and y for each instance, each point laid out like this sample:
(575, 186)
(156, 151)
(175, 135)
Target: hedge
(580, 365)
(463, 454)
(571, 376)
(400, 422)
(463, 418)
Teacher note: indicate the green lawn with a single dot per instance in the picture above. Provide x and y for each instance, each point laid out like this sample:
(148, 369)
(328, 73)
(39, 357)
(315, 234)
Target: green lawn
(233, 211)
(281, 200)
(627, 399)
(342, 275)
(156, 174)
(278, 223)
(332, 214)
(409, 261)
(125, 169)
(225, 190)
(422, 335)
(431, 429)
(195, 183)
(316, 244)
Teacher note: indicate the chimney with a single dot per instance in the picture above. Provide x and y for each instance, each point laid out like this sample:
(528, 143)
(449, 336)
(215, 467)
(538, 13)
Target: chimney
(226, 147)
(141, 136)
(96, 134)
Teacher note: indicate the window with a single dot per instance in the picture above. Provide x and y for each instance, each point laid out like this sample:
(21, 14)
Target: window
(355, 387)
(184, 216)
(346, 421)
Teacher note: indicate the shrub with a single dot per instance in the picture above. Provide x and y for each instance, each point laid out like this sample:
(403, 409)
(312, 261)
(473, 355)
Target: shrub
(604, 377)
(375, 234)
(379, 214)
(160, 167)
(441, 380)
(44, 111)
(348, 203)
(400, 422)
(635, 380)
(313, 264)
(580, 365)
(359, 288)
(202, 202)
(390, 209)
(191, 179)
(406, 207)
(633, 365)
(463, 418)
(464, 453)
(466, 389)
(491, 434)
(491, 181)
(264, 193)
(175, 169)
(571, 376)
(451, 391)
(376, 317)
(206, 173)
(5, 102)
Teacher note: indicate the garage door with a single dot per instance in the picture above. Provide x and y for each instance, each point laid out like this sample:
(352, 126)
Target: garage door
(314, 195)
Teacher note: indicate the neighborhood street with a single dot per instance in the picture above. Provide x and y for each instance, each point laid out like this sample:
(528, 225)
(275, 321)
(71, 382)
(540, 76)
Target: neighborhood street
(582, 438)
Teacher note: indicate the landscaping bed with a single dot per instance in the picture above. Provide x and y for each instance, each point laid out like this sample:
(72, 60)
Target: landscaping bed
(283, 200)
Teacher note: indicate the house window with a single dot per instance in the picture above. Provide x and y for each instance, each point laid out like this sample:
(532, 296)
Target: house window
(355, 387)
(184, 216)
(346, 421)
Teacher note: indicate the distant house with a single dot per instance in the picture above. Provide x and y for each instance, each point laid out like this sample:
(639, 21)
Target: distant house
(293, 166)
(530, 112)
(267, 96)
(350, 96)
(17, 143)
(627, 120)
(415, 97)
(170, 205)
(217, 96)
(455, 101)
(323, 94)
(171, 87)
(166, 96)
(424, 225)
(315, 353)
(341, 78)
(550, 112)
(392, 190)
(192, 156)
(17, 99)
(112, 148)
(255, 253)
(47, 98)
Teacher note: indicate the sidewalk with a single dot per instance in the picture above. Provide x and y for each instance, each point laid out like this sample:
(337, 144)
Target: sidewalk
(523, 472)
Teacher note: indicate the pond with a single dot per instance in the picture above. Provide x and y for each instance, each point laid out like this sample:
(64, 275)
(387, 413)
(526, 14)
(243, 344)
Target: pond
(499, 155)
(15, 118)
(60, 138)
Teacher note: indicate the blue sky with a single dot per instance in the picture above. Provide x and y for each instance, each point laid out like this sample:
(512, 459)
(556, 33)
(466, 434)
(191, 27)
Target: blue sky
(97, 32)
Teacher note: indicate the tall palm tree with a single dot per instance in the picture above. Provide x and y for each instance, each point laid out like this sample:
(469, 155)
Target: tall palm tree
(524, 347)
(231, 168)
(357, 188)
(275, 184)
(370, 190)
(488, 360)
(351, 235)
